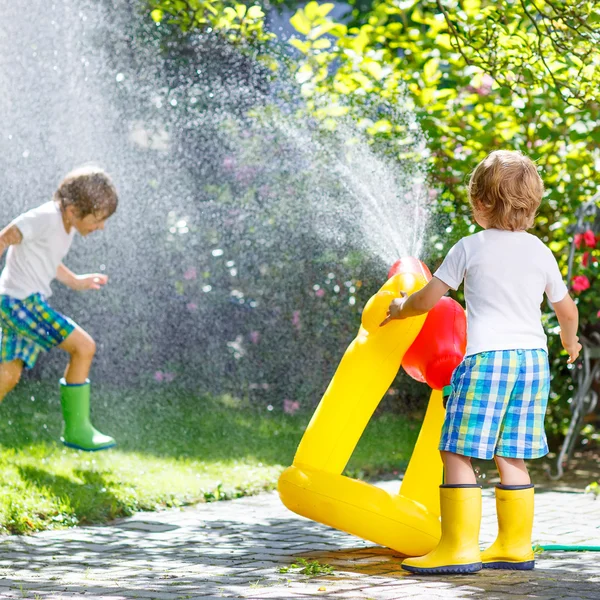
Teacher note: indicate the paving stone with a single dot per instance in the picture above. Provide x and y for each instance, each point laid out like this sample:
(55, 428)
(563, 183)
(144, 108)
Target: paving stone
(235, 550)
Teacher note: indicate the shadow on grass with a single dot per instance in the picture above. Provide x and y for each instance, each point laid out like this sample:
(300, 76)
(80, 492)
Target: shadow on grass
(90, 500)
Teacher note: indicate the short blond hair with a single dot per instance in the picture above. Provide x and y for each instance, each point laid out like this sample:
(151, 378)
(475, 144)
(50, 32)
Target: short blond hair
(506, 190)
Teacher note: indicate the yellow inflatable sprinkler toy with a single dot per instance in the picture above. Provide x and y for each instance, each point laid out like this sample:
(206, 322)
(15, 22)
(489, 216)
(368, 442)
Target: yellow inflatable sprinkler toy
(429, 347)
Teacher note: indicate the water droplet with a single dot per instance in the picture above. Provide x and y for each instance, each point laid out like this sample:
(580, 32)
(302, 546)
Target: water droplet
(270, 407)
(120, 77)
(217, 252)
(25, 153)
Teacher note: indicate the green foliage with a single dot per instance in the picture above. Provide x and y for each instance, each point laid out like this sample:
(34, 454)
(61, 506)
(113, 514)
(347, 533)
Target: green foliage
(465, 109)
(586, 279)
(311, 568)
(539, 45)
(238, 22)
(480, 76)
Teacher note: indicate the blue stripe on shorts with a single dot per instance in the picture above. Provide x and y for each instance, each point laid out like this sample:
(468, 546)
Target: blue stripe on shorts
(498, 404)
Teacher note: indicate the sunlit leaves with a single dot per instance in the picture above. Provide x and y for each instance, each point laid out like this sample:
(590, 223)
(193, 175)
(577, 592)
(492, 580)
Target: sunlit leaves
(237, 21)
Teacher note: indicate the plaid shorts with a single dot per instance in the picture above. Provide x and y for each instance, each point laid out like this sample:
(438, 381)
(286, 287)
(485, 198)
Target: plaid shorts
(497, 405)
(30, 326)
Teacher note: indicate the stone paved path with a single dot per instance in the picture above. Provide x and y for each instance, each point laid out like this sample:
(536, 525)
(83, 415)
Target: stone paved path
(237, 550)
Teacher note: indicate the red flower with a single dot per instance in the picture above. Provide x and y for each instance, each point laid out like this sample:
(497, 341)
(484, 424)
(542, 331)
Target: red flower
(585, 259)
(589, 238)
(580, 283)
(578, 239)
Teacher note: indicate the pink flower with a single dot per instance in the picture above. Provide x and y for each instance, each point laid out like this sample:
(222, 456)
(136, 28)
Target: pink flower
(320, 293)
(598, 314)
(191, 306)
(254, 337)
(190, 273)
(580, 283)
(589, 238)
(290, 406)
(166, 377)
(296, 319)
(485, 87)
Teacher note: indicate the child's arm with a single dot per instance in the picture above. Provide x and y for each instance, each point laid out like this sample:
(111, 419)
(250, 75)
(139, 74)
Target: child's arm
(9, 236)
(418, 303)
(568, 319)
(91, 281)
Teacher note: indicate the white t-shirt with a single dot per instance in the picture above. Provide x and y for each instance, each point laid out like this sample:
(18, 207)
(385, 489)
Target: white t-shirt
(506, 274)
(32, 264)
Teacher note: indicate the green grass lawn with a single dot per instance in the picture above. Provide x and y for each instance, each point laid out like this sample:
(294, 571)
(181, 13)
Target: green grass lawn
(174, 449)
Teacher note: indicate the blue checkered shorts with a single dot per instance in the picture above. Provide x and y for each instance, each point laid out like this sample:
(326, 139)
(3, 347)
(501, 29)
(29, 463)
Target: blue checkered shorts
(497, 405)
(29, 327)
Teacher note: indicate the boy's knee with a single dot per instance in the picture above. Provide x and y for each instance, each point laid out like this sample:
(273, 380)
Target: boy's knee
(86, 348)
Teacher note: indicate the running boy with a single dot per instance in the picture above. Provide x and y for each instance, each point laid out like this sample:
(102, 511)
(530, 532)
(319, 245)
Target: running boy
(37, 242)
(500, 390)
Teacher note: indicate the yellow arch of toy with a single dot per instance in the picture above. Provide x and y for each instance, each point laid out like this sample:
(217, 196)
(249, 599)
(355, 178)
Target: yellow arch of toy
(314, 487)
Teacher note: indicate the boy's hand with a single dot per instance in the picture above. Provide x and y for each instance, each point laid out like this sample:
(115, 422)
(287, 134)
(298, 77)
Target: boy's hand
(573, 349)
(91, 281)
(395, 309)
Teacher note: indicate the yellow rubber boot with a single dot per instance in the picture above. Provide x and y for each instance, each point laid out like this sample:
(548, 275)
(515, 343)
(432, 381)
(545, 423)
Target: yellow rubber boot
(458, 549)
(512, 548)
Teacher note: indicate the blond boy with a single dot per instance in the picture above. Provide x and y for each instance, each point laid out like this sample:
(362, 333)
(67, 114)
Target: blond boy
(500, 390)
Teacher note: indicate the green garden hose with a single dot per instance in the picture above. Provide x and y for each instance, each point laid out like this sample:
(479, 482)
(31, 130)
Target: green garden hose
(552, 547)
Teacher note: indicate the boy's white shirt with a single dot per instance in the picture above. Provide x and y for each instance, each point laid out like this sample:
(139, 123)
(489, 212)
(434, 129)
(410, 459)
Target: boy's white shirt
(31, 265)
(506, 274)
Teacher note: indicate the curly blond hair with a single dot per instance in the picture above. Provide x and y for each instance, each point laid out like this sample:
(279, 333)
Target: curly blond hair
(506, 190)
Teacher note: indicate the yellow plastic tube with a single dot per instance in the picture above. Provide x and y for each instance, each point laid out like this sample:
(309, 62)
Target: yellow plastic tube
(313, 486)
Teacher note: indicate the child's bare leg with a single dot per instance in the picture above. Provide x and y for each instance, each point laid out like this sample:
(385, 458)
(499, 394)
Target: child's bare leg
(513, 471)
(80, 345)
(457, 469)
(10, 373)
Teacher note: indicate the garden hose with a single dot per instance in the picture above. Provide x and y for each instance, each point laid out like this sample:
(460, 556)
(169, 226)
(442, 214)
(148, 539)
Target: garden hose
(562, 548)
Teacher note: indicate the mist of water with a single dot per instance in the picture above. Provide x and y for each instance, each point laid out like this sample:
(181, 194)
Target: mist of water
(225, 184)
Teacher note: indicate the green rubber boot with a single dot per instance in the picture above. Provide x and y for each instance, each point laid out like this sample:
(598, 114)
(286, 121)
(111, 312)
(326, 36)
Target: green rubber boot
(78, 432)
